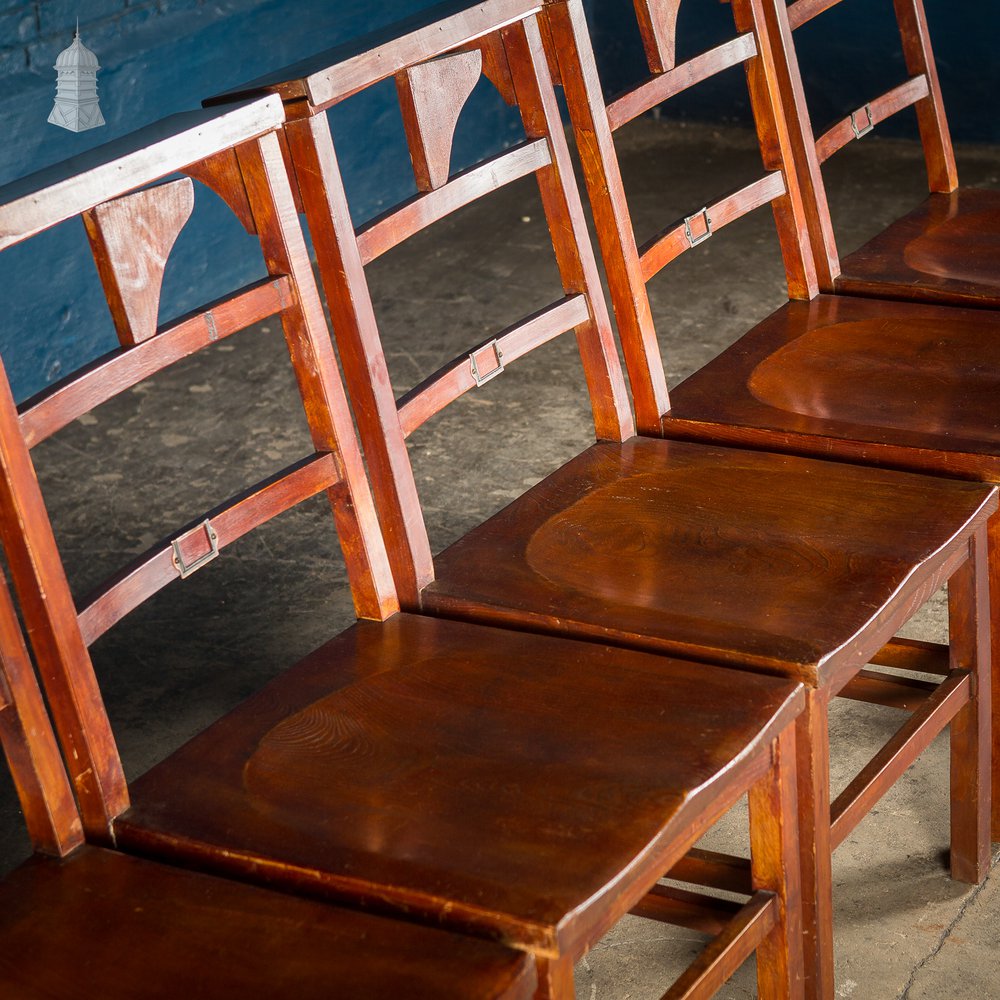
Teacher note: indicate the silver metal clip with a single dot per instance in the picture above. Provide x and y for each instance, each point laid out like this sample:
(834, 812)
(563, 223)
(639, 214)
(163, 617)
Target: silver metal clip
(186, 569)
(482, 379)
(864, 130)
(693, 240)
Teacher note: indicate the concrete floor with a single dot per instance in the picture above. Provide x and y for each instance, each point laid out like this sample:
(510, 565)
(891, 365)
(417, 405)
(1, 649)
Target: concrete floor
(161, 454)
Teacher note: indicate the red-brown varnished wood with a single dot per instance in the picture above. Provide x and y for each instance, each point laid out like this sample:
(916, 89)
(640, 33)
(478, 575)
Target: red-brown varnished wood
(946, 250)
(131, 267)
(221, 173)
(658, 27)
(706, 577)
(865, 118)
(902, 384)
(422, 768)
(883, 268)
(88, 922)
(61, 403)
(102, 924)
(770, 78)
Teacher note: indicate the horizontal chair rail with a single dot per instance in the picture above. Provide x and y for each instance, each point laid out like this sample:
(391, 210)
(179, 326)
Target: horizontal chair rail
(880, 774)
(53, 195)
(914, 654)
(864, 119)
(683, 908)
(672, 242)
(458, 377)
(385, 232)
(729, 950)
(805, 10)
(121, 369)
(665, 85)
(228, 522)
(714, 870)
(887, 690)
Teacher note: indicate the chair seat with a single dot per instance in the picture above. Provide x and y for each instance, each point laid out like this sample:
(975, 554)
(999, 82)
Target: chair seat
(491, 781)
(102, 924)
(908, 384)
(946, 250)
(732, 556)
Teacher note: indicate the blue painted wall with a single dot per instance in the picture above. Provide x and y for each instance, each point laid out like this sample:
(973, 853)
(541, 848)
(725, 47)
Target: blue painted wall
(161, 56)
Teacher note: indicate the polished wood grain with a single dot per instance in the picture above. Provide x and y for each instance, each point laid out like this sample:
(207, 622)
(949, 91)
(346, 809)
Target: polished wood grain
(945, 250)
(446, 772)
(131, 267)
(792, 591)
(118, 927)
(883, 268)
(654, 596)
(88, 922)
(419, 761)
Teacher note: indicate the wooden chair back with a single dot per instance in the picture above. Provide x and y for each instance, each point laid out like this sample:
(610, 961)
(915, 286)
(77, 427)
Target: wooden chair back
(132, 227)
(435, 67)
(921, 90)
(630, 266)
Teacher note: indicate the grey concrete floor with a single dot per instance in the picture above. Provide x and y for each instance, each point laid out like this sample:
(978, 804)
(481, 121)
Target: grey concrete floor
(164, 452)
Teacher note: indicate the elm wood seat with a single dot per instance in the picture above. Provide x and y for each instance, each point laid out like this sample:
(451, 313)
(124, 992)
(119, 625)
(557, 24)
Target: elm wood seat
(78, 920)
(417, 761)
(642, 542)
(946, 249)
(432, 769)
(837, 668)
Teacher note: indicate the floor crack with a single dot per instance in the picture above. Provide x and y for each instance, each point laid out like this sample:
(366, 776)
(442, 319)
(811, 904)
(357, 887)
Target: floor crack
(946, 933)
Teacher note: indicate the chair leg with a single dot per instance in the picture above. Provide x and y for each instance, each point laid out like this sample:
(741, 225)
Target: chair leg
(969, 626)
(813, 778)
(993, 560)
(775, 864)
(555, 979)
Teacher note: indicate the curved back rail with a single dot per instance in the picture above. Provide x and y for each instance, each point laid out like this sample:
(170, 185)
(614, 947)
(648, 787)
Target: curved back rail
(435, 65)
(132, 227)
(630, 266)
(921, 90)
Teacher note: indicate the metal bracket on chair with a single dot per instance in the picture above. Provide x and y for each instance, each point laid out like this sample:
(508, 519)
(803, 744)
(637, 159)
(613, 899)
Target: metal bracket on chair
(693, 240)
(186, 569)
(864, 130)
(482, 379)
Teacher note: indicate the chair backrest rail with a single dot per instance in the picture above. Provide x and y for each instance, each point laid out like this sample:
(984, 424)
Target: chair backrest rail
(119, 370)
(80, 184)
(649, 93)
(487, 360)
(202, 539)
(384, 423)
(682, 236)
(864, 119)
(805, 10)
(387, 231)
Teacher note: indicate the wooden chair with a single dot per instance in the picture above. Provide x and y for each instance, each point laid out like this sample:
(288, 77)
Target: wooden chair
(763, 393)
(460, 775)
(84, 921)
(942, 251)
(637, 541)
